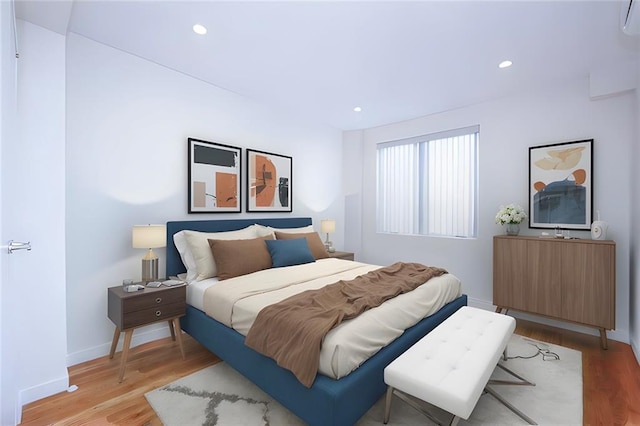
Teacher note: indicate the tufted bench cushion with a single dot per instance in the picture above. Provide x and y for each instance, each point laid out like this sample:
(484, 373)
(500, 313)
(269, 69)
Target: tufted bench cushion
(451, 365)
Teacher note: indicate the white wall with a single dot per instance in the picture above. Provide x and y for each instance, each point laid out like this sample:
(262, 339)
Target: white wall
(352, 174)
(33, 283)
(634, 300)
(508, 127)
(128, 121)
(8, 388)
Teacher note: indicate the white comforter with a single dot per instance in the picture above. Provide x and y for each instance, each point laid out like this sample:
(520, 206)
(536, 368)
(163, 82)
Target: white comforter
(236, 302)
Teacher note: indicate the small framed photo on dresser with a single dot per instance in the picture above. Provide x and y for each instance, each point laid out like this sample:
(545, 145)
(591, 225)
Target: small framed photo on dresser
(214, 177)
(269, 182)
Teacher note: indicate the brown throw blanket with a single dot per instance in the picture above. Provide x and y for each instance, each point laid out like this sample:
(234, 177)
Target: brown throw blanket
(291, 331)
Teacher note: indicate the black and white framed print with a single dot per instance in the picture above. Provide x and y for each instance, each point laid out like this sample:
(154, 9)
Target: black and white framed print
(214, 177)
(269, 182)
(560, 185)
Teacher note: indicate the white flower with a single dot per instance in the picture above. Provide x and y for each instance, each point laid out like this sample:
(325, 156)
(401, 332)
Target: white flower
(512, 213)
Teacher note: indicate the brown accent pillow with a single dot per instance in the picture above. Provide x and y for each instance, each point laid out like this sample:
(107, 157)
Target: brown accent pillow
(313, 240)
(240, 257)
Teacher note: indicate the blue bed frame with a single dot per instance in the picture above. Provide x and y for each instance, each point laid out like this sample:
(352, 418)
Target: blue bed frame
(328, 401)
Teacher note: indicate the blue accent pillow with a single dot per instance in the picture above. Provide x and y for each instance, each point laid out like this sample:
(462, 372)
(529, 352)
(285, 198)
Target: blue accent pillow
(289, 252)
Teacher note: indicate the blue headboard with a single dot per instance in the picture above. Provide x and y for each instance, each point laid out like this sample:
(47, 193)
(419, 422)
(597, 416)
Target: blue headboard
(174, 263)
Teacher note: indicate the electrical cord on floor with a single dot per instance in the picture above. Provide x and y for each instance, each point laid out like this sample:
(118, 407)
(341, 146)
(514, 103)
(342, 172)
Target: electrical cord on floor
(547, 355)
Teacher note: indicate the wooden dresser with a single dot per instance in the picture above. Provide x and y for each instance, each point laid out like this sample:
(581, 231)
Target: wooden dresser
(571, 280)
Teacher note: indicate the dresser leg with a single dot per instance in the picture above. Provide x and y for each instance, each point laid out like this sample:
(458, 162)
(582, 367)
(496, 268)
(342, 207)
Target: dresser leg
(125, 353)
(114, 342)
(603, 339)
(178, 334)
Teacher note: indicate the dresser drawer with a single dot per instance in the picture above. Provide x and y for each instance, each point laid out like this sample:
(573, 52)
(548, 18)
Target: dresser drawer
(147, 316)
(153, 299)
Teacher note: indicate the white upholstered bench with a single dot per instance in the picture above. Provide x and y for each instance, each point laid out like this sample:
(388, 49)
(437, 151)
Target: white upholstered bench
(450, 366)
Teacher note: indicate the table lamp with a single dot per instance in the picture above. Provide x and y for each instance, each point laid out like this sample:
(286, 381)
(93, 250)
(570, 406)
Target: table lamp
(149, 237)
(328, 227)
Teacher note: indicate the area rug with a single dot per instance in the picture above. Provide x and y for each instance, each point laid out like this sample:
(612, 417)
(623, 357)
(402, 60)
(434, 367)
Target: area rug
(218, 395)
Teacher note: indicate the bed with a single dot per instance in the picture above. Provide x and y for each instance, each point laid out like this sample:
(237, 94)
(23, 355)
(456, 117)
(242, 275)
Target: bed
(328, 401)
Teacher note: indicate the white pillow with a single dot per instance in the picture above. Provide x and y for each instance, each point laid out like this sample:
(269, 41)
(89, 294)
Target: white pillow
(180, 241)
(269, 230)
(201, 251)
(264, 231)
(301, 230)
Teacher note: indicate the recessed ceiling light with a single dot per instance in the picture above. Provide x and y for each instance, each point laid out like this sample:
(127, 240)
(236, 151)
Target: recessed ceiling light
(505, 64)
(199, 29)
(357, 109)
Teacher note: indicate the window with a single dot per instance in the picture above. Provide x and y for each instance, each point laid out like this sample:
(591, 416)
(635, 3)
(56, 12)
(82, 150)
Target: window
(427, 185)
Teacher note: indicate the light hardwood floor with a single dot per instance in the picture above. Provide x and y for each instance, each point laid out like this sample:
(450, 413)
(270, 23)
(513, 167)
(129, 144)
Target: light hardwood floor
(611, 381)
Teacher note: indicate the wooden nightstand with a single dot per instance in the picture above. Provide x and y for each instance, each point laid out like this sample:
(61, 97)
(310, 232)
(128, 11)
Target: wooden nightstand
(342, 255)
(131, 310)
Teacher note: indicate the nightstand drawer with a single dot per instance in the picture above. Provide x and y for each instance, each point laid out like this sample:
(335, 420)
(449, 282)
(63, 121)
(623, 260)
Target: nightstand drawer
(153, 299)
(158, 313)
(143, 305)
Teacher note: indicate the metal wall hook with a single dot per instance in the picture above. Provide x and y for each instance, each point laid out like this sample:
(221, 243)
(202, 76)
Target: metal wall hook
(16, 245)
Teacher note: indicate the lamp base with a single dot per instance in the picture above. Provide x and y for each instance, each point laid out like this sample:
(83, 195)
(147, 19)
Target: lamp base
(149, 270)
(328, 245)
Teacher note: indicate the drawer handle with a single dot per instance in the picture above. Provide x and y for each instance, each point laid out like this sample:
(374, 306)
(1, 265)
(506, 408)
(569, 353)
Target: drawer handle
(158, 313)
(158, 299)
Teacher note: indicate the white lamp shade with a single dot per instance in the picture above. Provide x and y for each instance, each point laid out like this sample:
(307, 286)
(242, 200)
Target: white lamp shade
(149, 236)
(328, 226)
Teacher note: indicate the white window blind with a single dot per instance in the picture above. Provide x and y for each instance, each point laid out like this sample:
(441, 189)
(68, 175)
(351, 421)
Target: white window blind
(427, 185)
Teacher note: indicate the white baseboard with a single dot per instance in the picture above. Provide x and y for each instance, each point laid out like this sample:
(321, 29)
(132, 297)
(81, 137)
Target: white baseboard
(43, 390)
(61, 384)
(617, 335)
(18, 412)
(139, 337)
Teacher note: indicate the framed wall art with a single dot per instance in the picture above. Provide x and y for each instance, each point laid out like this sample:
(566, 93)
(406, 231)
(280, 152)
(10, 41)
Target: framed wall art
(214, 177)
(269, 182)
(560, 185)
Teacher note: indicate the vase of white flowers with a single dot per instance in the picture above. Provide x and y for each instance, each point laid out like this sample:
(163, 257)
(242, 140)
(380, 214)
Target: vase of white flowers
(512, 228)
(512, 216)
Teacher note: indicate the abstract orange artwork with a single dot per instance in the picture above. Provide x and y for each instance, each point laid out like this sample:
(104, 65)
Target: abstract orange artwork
(226, 189)
(264, 185)
(560, 185)
(268, 181)
(214, 177)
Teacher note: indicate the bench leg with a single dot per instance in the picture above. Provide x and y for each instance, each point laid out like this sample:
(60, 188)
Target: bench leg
(387, 405)
(411, 402)
(510, 406)
(522, 382)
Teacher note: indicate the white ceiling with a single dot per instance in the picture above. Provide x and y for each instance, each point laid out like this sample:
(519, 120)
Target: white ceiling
(397, 60)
